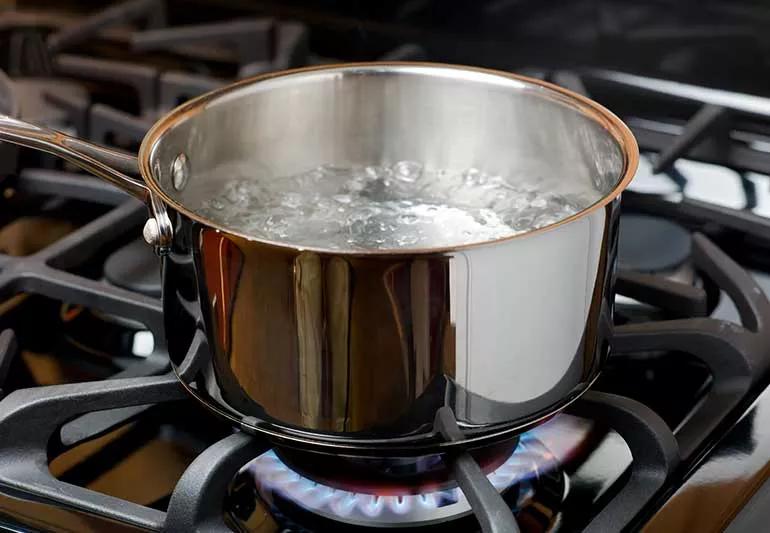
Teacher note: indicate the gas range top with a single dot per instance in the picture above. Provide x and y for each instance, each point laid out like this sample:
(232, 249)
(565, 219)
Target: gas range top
(96, 433)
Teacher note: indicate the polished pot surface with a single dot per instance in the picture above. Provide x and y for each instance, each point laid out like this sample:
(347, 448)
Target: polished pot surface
(321, 346)
(371, 346)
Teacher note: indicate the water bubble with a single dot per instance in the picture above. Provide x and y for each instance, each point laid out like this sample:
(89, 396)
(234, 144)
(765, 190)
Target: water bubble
(408, 171)
(236, 193)
(407, 239)
(522, 223)
(343, 198)
(538, 202)
(372, 172)
(292, 200)
(356, 184)
(471, 176)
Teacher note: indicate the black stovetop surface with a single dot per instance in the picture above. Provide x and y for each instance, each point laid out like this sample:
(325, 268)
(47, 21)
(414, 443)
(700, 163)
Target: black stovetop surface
(97, 435)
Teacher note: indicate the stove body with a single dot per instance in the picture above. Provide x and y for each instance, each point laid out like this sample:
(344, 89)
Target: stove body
(96, 434)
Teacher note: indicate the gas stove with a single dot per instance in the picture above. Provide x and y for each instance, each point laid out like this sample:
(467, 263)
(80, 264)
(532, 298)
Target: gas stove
(97, 434)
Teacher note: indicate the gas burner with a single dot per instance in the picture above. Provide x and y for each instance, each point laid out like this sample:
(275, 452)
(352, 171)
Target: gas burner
(105, 335)
(531, 476)
(133, 267)
(670, 264)
(516, 479)
(641, 233)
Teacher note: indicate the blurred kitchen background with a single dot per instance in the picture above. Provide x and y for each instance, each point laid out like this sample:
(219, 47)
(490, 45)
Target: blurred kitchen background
(79, 290)
(722, 44)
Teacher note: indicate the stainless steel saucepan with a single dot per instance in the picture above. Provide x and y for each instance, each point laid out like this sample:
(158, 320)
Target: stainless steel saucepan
(357, 350)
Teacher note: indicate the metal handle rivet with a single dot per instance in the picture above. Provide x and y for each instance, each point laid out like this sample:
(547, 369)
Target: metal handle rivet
(180, 172)
(151, 232)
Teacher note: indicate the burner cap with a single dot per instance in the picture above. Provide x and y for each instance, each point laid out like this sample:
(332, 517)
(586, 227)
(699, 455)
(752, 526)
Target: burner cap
(388, 475)
(134, 267)
(652, 244)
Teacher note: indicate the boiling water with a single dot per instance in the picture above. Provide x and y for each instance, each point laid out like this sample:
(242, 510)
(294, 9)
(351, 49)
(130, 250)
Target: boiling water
(387, 207)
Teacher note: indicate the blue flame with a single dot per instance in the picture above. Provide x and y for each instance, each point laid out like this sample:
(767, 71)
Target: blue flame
(275, 478)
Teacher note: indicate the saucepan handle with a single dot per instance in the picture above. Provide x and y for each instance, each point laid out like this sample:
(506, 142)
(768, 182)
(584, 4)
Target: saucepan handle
(111, 165)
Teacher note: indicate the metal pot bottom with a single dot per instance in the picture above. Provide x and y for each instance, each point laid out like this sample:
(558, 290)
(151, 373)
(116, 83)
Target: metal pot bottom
(404, 446)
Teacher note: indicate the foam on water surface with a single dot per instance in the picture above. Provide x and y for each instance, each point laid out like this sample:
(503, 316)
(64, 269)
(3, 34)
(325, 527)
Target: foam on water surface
(387, 207)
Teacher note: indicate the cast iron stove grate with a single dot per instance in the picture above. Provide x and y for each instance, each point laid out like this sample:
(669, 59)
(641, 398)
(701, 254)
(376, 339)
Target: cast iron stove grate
(672, 121)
